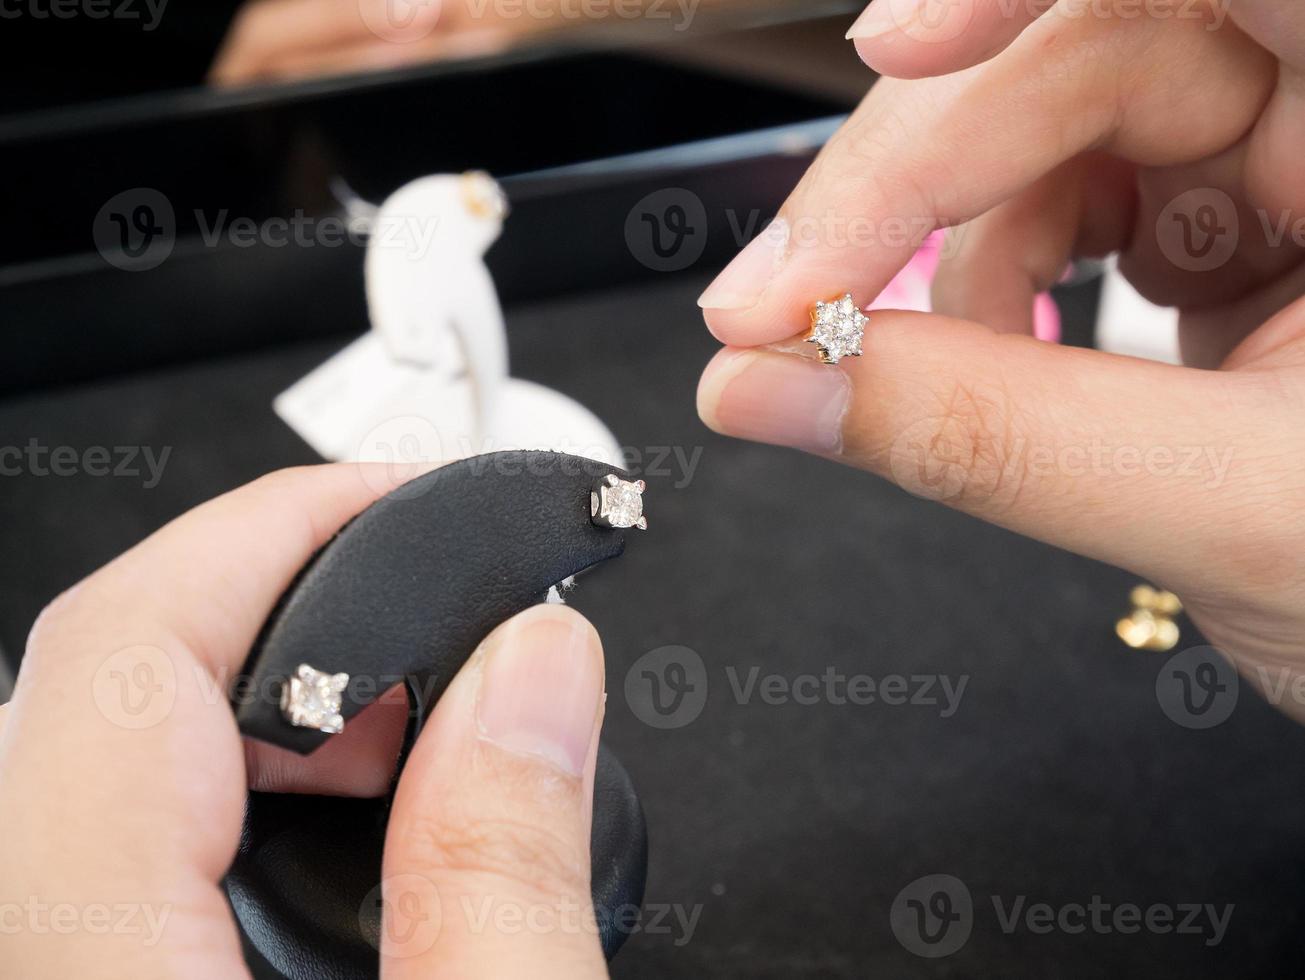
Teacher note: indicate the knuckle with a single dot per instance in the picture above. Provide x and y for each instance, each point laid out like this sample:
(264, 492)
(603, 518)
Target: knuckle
(965, 451)
(530, 857)
(53, 620)
(280, 481)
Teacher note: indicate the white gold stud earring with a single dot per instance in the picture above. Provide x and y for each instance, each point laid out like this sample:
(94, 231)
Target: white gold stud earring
(311, 699)
(837, 327)
(618, 503)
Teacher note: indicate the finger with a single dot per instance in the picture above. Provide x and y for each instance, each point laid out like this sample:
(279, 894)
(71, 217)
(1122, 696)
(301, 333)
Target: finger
(916, 38)
(1273, 170)
(1127, 461)
(1262, 331)
(995, 266)
(919, 155)
(122, 696)
(359, 761)
(486, 868)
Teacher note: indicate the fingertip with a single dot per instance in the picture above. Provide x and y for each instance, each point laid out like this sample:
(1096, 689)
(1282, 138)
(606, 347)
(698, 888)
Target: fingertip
(359, 762)
(715, 376)
(895, 55)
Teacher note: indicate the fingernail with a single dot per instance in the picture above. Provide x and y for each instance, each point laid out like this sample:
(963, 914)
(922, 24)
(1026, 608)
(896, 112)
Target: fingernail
(742, 282)
(540, 687)
(880, 18)
(781, 399)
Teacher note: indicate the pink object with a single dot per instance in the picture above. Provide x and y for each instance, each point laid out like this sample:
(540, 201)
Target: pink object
(909, 290)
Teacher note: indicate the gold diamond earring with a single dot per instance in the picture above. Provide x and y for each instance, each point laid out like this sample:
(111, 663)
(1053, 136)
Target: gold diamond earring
(837, 327)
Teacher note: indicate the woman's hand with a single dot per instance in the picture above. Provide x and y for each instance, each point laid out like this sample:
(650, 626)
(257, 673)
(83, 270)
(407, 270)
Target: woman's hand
(1171, 131)
(123, 776)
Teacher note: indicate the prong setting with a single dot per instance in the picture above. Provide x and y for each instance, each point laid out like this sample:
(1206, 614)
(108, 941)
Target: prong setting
(312, 699)
(837, 328)
(618, 503)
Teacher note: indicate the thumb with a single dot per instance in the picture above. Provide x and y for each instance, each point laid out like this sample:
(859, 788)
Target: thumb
(486, 869)
(1128, 461)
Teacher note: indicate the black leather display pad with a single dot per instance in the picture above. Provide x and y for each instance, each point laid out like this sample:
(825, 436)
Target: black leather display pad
(407, 590)
(415, 582)
(304, 885)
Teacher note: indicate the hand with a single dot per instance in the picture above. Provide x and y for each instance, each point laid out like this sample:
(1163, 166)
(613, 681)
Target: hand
(1078, 133)
(272, 40)
(123, 777)
(279, 40)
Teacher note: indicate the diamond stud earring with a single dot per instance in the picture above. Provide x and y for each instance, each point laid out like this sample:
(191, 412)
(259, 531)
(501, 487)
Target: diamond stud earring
(311, 699)
(837, 328)
(618, 503)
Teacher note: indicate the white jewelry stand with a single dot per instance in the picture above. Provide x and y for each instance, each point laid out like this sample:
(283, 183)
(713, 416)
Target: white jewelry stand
(429, 383)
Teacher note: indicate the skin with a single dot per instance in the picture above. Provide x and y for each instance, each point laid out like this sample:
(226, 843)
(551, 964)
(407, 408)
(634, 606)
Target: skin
(1037, 139)
(281, 40)
(103, 807)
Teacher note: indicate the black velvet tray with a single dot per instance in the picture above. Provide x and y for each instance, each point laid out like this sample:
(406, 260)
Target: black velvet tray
(791, 828)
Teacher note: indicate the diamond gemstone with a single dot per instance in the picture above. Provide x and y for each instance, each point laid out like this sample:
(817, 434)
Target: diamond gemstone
(837, 328)
(311, 699)
(622, 504)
